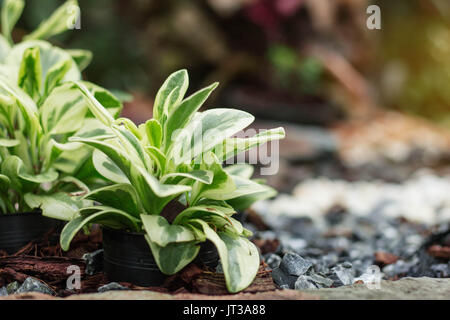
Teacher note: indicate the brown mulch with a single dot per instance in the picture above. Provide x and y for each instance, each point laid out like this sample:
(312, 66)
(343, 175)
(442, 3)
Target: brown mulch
(439, 251)
(46, 261)
(384, 258)
(49, 246)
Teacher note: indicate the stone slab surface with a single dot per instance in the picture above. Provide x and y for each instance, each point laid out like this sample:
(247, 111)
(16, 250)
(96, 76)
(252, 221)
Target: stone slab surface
(406, 288)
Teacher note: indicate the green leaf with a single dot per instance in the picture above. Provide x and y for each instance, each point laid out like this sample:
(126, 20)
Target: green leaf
(4, 183)
(57, 206)
(52, 58)
(162, 233)
(64, 110)
(243, 170)
(51, 150)
(174, 256)
(23, 102)
(233, 146)
(202, 212)
(221, 186)
(239, 257)
(112, 150)
(22, 150)
(244, 202)
(64, 18)
(244, 187)
(120, 196)
(176, 86)
(9, 142)
(182, 114)
(153, 194)
(157, 156)
(153, 131)
(81, 57)
(55, 75)
(107, 100)
(11, 12)
(95, 106)
(108, 168)
(4, 48)
(203, 176)
(129, 125)
(73, 185)
(131, 147)
(14, 168)
(209, 129)
(109, 217)
(30, 74)
(48, 176)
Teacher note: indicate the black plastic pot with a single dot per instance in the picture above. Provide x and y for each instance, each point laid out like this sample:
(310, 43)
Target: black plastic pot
(18, 229)
(127, 257)
(240, 216)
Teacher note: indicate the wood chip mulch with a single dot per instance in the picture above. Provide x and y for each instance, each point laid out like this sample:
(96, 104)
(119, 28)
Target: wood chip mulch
(45, 261)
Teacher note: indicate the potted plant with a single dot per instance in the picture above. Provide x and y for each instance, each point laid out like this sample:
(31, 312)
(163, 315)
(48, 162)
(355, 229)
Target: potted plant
(170, 187)
(40, 109)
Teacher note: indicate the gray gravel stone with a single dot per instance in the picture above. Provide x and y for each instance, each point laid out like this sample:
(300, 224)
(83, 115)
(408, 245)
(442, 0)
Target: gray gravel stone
(282, 279)
(272, 260)
(219, 268)
(320, 281)
(94, 261)
(12, 287)
(33, 285)
(441, 270)
(3, 292)
(293, 264)
(304, 283)
(398, 268)
(111, 286)
(343, 274)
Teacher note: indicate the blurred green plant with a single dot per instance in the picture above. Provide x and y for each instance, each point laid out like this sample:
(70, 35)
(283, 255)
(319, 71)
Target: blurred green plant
(415, 73)
(293, 72)
(40, 109)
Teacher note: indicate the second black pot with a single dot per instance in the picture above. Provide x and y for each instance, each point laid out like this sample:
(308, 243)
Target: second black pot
(18, 229)
(128, 258)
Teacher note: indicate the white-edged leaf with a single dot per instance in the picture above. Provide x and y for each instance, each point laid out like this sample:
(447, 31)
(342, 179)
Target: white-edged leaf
(120, 196)
(108, 168)
(153, 131)
(64, 18)
(110, 217)
(11, 12)
(221, 186)
(174, 256)
(57, 206)
(178, 81)
(243, 170)
(30, 73)
(4, 48)
(239, 257)
(8, 142)
(95, 106)
(81, 57)
(203, 176)
(233, 146)
(202, 212)
(50, 56)
(162, 233)
(182, 114)
(210, 128)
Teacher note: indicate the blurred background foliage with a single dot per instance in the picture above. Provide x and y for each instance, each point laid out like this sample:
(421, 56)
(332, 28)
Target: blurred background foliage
(304, 61)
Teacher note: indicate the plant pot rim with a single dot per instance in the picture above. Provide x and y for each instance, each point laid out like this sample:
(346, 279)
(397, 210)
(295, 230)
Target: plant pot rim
(33, 212)
(121, 231)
